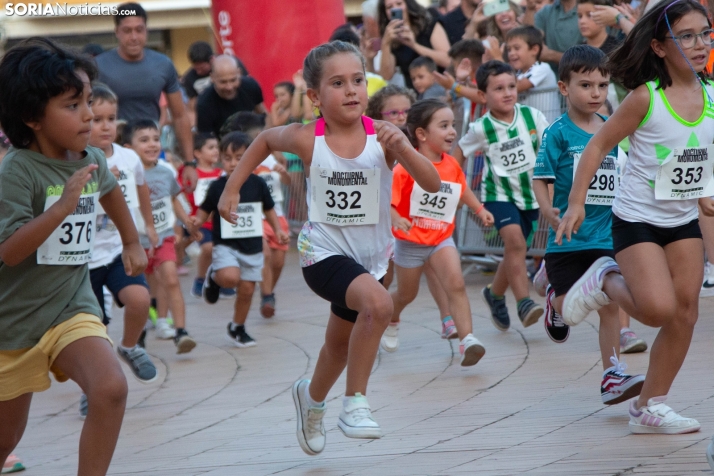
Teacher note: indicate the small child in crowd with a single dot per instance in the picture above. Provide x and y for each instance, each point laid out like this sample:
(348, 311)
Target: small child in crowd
(421, 71)
(238, 249)
(280, 110)
(594, 33)
(142, 136)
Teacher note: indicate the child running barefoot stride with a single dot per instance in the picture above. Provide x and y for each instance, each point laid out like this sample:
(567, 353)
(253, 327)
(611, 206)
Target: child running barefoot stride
(424, 222)
(346, 244)
(50, 186)
(669, 118)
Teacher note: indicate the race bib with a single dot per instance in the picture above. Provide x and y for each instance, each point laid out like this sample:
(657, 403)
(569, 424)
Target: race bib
(686, 174)
(273, 181)
(127, 184)
(344, 198)
(249, 223)
(604, 184)
(512, 157)
(163, 213)
(199, 195)
(440, 206)
(71, 243)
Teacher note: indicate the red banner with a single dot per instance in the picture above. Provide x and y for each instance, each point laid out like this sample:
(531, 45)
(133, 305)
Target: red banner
(272, 37)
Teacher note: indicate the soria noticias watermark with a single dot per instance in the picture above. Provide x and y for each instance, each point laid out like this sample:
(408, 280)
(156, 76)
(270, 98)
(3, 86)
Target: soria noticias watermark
(62, 9)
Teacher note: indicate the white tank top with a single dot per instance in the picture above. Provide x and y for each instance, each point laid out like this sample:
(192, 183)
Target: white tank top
(349, 202)
(661, 132)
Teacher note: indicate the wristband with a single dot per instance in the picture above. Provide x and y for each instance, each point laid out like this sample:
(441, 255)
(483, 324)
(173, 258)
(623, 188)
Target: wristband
(479, 209)
(457, 89)
(190, 164)
(618, 17)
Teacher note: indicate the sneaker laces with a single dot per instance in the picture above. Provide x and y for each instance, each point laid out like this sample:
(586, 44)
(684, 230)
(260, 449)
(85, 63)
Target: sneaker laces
(361, 413)
(314, 419)
(618, 367)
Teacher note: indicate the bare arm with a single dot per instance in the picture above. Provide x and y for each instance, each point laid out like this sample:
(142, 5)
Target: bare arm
(470, 200)
(523, 84)
(542, 194)
(459, 155)
(272, 218)
(260, 109)
(133, 255)
(623, 122)
(551, 56)
(199, 218)
(182, 123)
(145, 209)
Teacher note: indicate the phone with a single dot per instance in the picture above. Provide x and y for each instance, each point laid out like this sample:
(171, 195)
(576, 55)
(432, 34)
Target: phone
(397, 14)
(494, 7)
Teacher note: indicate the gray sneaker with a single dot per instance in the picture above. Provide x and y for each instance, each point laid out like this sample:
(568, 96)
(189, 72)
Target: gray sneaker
(83, 406)
(499, 311)
(141, 365)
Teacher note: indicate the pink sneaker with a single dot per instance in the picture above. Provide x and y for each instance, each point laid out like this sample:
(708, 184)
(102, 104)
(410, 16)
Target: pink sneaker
(448, 329)
(12, 465)
(587, 295)
(540, 280)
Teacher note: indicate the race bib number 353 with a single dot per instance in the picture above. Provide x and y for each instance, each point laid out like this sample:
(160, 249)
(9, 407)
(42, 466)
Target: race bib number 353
(686, 174)
(344, 198)
(72, 242)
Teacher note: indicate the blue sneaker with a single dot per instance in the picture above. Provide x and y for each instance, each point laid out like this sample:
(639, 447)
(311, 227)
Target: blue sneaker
(499, 311)
(197, 288)
(227, 293)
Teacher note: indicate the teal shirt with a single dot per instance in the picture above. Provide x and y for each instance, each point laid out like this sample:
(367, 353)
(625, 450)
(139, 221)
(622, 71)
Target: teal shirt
(554, 164)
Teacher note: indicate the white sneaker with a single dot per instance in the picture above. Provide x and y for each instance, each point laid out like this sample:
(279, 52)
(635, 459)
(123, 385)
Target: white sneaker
(710, 454)
(587, 295)
(657, 417)
(310, 424)
(708, 283)
(356, 419)
(164, 330)
(390, 339)
(471, 351)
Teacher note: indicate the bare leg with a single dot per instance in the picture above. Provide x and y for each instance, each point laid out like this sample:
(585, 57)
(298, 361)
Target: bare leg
(13, 421)
(332, 359)
(437, 290)
(407, 289)
(389, 277)
(204, 259)
(512, 270)
(266, 287)
(92, 364)
(242, 305)
(172, 289)
(136, 311)
(609, 333)
(624, 319)
(446, 265)
(277, 262)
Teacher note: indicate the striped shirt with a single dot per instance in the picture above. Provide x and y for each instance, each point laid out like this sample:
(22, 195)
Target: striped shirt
(528, 124)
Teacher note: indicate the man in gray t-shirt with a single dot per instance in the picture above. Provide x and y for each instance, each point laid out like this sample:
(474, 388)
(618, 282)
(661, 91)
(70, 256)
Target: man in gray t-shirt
(139, 75)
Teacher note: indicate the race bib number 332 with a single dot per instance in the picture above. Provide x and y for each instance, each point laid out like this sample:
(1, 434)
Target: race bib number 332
(344, 198)
(71, 243)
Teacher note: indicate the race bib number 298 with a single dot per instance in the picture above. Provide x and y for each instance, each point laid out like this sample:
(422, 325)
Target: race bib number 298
(71, 243)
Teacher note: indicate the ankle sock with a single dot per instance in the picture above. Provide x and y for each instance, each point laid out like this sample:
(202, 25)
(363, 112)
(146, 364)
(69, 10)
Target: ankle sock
(494, 296)
(310, 402)
(624, 330)
(446, 319)
(235, 327)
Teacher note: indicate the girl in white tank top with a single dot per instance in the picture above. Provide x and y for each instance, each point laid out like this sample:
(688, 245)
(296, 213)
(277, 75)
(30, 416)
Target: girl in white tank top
(669, 118)
(346, 244)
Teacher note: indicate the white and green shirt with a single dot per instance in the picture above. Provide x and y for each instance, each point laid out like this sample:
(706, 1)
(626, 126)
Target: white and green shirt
(509, 151)
(665, 139)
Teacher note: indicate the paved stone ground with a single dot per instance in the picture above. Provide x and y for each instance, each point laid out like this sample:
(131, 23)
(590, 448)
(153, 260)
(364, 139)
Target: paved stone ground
(530, 406)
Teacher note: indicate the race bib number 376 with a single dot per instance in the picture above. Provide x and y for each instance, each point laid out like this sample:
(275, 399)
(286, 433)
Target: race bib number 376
(344, 198)
(71, 243)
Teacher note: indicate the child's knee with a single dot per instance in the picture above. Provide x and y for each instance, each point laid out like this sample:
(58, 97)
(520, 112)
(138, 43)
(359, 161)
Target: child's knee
(246, 289)
(379, 308)
(111, 391)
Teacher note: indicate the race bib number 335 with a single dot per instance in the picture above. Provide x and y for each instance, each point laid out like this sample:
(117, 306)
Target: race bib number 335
(249, 223)
(71, 243)
(344, 198)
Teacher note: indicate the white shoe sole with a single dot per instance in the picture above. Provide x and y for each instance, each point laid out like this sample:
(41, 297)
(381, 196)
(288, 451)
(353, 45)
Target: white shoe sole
(300, 435)
(706, 292)
(533, 316)
(239, 344)
(662, 430)
(472, 355)
(386, 347)
(185, 346)
(635, 348)
(710, 455)
(363, 433)
(568, 302)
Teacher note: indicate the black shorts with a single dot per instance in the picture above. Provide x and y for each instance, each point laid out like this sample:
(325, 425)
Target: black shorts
(506, 213)
(115, 279)
(565, 268)
(626, 234)
(330, 279)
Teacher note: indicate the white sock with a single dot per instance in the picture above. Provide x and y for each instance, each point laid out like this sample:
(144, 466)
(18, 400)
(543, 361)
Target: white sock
(625, 329)
(312, 403)
(161, 320)
(126, 348)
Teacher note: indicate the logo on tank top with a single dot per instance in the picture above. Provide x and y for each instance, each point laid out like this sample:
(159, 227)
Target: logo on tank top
(347, 179)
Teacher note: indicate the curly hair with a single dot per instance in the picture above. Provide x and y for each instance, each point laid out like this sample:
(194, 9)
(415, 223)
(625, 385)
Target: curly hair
(376, 102)
(419, 17)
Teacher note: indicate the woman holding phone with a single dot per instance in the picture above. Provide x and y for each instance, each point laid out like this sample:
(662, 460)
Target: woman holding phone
(409, 31)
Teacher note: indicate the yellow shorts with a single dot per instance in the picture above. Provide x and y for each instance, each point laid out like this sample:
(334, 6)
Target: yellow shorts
(27, 370)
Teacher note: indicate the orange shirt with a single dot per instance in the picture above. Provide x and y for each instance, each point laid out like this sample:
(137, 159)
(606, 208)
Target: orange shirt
(426, 231)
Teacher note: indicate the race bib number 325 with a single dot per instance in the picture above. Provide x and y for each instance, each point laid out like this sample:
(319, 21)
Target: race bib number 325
(344, 198)
(71, 243)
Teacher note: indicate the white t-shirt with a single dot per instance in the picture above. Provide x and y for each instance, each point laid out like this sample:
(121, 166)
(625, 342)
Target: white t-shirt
(107, 241)
(270, 163)
(542, 95)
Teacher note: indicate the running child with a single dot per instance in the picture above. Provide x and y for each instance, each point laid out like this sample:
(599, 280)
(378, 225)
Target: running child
(142, 136)
(51, 184)
(275, 175)
(346, 244)
(509, 136)
(584, 80)
(238, 247)
(106, 268)
(423, 226)
(669, 117)
(206, 153)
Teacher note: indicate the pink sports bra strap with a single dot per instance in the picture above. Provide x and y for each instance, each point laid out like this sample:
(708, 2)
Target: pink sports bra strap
(367, 122)
(320, 127)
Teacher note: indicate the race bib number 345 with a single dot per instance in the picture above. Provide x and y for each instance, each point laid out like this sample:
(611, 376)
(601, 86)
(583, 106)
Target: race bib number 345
(686, 174)
(344, 198)
(71, 243)
(437, 206)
